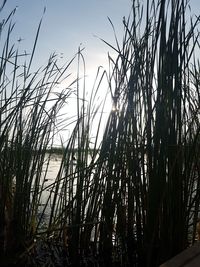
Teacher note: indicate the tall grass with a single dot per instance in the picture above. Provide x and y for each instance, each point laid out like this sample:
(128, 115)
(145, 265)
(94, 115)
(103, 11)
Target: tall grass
(72, 211)
(144, 198)
(29, 109)
(132, 199)
(138, 203)
(150, 149)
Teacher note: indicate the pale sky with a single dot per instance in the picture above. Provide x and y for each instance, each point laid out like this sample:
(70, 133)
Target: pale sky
(69, 23)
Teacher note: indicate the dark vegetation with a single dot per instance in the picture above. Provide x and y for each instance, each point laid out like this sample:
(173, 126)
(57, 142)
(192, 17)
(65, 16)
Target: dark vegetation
(134, 199)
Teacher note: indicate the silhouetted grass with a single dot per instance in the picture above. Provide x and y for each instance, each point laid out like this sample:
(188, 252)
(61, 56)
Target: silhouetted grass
(131, 199)
(29, 107)
(150, 149)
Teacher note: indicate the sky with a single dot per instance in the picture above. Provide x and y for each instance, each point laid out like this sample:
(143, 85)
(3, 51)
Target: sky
(67, 24)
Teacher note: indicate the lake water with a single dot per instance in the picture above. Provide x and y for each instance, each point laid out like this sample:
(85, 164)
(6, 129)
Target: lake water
(48, 178)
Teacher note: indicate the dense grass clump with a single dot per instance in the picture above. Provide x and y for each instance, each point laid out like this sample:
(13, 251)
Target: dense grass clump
(131, 199)
(150, 150)
(29, 115)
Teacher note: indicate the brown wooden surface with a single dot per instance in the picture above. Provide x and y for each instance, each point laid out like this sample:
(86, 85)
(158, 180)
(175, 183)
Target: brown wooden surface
(187, 258)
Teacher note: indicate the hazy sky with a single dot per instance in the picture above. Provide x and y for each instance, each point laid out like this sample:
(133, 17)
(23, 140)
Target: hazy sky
(68, 23)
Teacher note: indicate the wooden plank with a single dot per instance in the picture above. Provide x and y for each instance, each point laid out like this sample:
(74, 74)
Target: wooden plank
(188, 258)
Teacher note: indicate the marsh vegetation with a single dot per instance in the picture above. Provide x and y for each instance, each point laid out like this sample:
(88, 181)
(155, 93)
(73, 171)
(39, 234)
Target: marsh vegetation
(130, 199)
